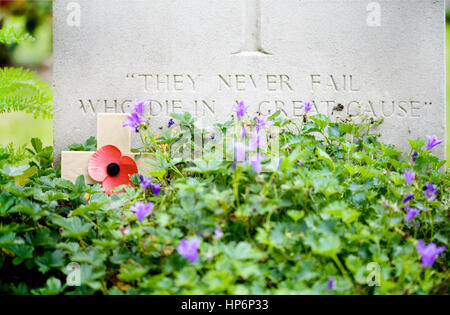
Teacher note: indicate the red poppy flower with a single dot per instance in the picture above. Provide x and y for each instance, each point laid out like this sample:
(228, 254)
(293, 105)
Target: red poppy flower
(108, 166)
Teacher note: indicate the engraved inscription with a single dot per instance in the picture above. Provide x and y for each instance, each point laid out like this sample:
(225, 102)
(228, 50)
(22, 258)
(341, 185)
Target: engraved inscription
(194, 92)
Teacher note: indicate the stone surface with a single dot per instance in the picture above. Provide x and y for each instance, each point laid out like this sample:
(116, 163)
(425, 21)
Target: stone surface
(204, 55)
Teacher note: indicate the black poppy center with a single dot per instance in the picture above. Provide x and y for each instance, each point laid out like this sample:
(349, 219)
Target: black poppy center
(113, 169)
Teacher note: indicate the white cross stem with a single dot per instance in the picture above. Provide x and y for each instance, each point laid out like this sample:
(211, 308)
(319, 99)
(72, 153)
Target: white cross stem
(251, 43)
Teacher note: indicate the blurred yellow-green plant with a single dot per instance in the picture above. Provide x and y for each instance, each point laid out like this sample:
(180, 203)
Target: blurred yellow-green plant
(21, 89)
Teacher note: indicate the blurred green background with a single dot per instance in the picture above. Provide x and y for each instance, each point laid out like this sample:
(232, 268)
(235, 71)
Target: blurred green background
(35, 18)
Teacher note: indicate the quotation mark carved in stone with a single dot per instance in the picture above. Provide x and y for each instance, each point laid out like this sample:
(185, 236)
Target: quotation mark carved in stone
(374, 16)
(74, 16)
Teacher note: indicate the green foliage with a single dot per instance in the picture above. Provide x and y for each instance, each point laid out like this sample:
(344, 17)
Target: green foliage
(89, 145)
(333, 206)
(9, 36)
(21, 89)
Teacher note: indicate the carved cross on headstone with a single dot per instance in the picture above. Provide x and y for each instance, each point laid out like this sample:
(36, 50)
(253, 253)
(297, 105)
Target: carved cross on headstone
(109, 132)
(251, 43)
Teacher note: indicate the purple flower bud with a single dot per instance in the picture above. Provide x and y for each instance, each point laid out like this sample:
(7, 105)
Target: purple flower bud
(431, 191)
(156, 189)
(330, 284)
(414, 156)
(411, 213)
(244, 133)
(171, 122)
(145, 182)
(307, 106)
(139, 106)
(409, 176)
(432, 142)
(240, 150)
(256, 162)
(134, 121)
(257, 141)
(261, 122)
(240, 110)
(408, 198)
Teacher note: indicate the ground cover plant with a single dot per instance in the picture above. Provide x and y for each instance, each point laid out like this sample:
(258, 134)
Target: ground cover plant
(339, 212)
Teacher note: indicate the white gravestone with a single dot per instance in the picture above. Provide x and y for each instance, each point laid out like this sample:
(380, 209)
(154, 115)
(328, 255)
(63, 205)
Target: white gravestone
(203, 56)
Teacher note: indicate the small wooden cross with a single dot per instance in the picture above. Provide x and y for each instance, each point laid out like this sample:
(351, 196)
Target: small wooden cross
(109, 132)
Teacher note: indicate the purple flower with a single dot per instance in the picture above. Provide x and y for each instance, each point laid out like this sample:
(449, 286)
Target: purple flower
(257, 142)
(240, 150)
(156, 189)
(189, 249)
(414, 156)
(134, 121)
(240, 110)
(244, 133)
(432, 142)
(330, 284)
(255, 161)
(431, 191)
(308, 106)
(145, 182)
(142, 209)
(171, 122)
(261, 122)
(429, 253)
(218, 234)
(409, 176)
(213, 138)
(139, 106)
(411, 213)
(408, 198)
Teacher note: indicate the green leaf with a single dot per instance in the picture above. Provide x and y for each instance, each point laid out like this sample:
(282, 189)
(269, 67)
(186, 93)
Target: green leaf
(296, 215)
(14, 171)
(334, 131)
(241, 251)
(321, 120)
(90, 256)
(70, 247)
(292, 158)
(44, 237)
(91, 275)
(6, 202)
(341, 210)
(37, 144)
(310, 126)
(324, 244)
(52, 287)
(23, 178)
(21, 252)
(132, 271)
(73, 227)
(322, 155)
(50, 260)
(417, 144)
